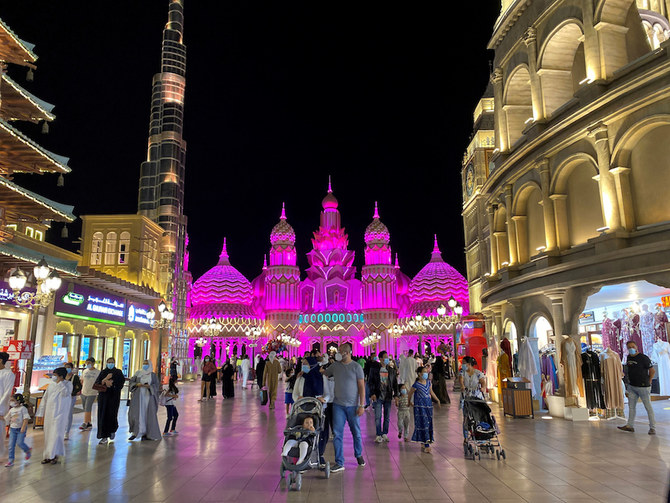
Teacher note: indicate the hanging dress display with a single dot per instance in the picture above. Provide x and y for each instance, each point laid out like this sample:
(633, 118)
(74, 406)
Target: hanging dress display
(616, 332)
(548, 369)
(647, 329)
(610, 335)
(492, 365)
(660, 353)
(506, 346)
(570, 356)
(504, 370)
(612, 371)
(527, 366)
(634, 325)
(591, 375)
(660, 320)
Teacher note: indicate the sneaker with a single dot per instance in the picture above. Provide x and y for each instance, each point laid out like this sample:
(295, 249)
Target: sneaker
(652, 431)
(336, 468)
(166, 434)
(385, 437)
(83, 426)
(103, 441)
(9, 463)
(67, 436)
(112, 435)
(29, 453)
(174, 432)
(379, 439)
(89, 427)
(399, 435)
(361, 461)
(626, 428)
(322, 462)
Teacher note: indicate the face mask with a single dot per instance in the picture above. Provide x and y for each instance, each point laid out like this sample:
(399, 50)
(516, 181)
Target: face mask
(69, 370)
(338, 357)
(13, 403)
(424, 375)
(305, 368)
(632, 351)
(206, 360)
(145, 367)
(54, 378)
(386, 361)
(89, 366)
(465, 367)
(376, 358)
(110, 366)
(403, 391)
(324, 361)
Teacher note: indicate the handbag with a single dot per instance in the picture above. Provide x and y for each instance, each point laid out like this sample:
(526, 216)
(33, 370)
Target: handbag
(99, 387)
(264, 396)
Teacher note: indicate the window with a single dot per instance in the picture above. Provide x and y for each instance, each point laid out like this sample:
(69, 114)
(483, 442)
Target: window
(110, 248)
(39, 235)
(124, 245)
(30, 232)
(96, 249)
(11, 227)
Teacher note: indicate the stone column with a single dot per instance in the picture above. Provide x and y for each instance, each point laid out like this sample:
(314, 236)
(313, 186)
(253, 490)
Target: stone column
(521, 228)
(561, 218)
(590, 38)
(624, 196)
(500, 121)
(530, 39)
(547, 205)
(511, 232)
(613, 49)
(608, 195)
(502, 247)
(491, 209)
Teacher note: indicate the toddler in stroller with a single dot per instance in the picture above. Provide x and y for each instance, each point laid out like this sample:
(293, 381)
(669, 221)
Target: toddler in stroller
(480, 430)
(300, 451)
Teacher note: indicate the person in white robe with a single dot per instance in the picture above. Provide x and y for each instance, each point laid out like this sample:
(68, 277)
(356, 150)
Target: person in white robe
(55, 408)
(407, 369)
(7, 379)
(143, 410)
(245, 365)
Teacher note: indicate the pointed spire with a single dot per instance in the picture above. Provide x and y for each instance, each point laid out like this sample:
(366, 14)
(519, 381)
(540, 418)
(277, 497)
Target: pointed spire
(330, 186)
(376, 215)
(397, 263)
(436, 248)
(436, 256)
(283, 211)
(265, 262)
(223, 258)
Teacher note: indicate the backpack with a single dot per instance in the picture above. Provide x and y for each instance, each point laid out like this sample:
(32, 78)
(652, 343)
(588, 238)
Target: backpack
(162, 399)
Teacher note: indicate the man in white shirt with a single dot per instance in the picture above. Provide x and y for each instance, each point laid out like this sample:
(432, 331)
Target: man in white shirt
(7, 378)
(407, 369)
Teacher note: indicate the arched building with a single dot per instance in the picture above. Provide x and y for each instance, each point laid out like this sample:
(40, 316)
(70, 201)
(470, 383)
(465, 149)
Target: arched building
(331, 304)
(564, 181)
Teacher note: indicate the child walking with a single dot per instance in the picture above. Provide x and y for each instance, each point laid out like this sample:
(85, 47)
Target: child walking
(17, 418)
(171, 396)
(289, 379)
(420, 395)
(402, 402)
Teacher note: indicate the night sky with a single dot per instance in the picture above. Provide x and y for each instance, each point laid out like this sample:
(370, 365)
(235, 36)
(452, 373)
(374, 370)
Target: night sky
(279, 96)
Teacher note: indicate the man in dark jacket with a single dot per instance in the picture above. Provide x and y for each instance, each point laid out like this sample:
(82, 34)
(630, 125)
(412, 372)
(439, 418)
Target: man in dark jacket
(383, 383)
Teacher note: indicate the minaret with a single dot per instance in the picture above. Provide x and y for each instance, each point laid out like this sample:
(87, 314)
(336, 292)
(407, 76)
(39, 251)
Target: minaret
(161, 190)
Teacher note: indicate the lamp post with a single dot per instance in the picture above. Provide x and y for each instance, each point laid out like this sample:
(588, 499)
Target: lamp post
(454, 317)
(47, 283)
(166, 317)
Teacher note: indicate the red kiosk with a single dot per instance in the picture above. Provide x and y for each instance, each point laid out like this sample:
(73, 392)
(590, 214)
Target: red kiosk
(472, 341)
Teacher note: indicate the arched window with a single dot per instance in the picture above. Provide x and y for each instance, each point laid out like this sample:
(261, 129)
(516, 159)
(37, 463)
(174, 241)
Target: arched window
(110, 248)
(518, 106)
(96, 249)
(124, 247)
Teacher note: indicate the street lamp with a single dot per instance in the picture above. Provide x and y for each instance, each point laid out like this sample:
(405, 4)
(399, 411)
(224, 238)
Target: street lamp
(47, 283)
(165, 321)
(454, 317)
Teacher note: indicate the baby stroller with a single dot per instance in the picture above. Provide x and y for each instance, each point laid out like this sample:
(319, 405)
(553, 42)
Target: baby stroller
(480, 430)
(290, 471)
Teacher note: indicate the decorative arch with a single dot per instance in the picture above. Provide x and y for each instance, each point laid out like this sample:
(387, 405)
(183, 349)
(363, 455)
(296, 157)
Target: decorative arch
(529, 221)
(90, 330)
(500, 234)
(519, 206)
(64, 327)
(621, 152)
(612, 11)
(561, 64)
(517, 102)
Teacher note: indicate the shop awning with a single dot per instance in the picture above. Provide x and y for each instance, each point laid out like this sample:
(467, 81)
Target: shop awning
(13, 255)
(13, 49)
(16, 199)
(20, 154)
(99, 279)
(19, 104)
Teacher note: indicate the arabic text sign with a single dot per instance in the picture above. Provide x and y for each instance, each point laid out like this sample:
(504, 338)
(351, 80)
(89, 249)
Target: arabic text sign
(138, 314)
(90, 303)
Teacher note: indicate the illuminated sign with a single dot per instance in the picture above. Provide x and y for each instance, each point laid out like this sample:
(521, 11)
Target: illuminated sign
(587, 317)
(665, 301)
(73, 299)
(331, 318)
(138, 314)
(85, 303)
(7, 294)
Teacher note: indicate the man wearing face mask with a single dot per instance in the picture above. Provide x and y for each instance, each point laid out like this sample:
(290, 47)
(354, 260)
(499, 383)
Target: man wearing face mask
(383, 383)
(6, 390)
(348, 404)
(109, 385)
(88, 394)
(639, 373)
(271, 377)
(55, 409)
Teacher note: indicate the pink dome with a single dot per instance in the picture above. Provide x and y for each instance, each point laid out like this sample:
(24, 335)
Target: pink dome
(377, 232)
(436, 283)
(221, 290)
(282, 232)
(329, 202)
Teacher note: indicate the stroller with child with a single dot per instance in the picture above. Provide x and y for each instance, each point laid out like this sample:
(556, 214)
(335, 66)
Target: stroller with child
(291, 470)
(480, 430)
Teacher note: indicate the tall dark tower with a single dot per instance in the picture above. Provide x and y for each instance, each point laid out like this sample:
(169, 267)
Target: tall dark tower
(161, 190)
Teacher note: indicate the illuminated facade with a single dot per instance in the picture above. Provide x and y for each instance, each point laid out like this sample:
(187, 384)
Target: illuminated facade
(564, 181)
(331, 304)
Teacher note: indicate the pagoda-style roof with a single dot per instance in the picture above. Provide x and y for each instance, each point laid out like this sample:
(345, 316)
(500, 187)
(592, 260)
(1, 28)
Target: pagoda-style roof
(19, 104)
(13, 49)
(15, 255)
(20, 154)
(24, 202)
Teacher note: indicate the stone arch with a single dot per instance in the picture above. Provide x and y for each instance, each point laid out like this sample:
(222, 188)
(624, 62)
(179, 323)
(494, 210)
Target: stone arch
(564, 169)
(517, 102)
(500, 234)
(64, 327)
(529, 220)
(561, 64)
(645, 150)
(612, 11)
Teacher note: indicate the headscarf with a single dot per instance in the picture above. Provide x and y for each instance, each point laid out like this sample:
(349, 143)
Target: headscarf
(272, 355)
(142, 373)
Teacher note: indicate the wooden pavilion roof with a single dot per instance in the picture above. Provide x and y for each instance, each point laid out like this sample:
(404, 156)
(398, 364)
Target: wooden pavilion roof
(20, 154)
(13, 49)
(19, 104)
(21, 202)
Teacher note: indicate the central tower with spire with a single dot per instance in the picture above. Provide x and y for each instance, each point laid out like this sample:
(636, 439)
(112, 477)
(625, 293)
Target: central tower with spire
(161, 188)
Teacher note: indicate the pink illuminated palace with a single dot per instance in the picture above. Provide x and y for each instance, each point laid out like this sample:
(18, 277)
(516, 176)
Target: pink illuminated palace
(383, 309)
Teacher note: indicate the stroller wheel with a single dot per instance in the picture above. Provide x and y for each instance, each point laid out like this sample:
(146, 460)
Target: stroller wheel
(465, 449)
(298, 482)
(326, 470)
(498, 454)
(502, 453)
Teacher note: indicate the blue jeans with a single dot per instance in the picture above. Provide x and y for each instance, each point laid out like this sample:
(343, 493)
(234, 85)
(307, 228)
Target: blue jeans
(16, 437)
(636, 393)
(377, 406)
(340, 415)
(367, 394)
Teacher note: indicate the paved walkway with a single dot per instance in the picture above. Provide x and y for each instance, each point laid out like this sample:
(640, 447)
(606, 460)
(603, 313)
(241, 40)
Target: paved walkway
(229, 450)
